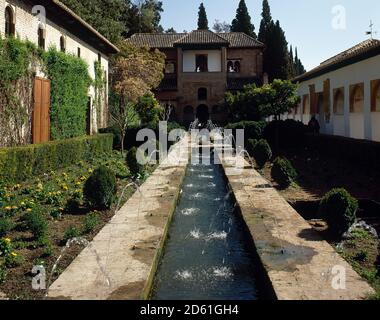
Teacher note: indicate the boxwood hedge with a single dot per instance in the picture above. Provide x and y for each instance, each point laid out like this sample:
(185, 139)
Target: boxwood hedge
(20, 163)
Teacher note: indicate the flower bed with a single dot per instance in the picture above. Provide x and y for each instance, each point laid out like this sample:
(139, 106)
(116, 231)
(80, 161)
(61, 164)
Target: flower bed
(39, 215)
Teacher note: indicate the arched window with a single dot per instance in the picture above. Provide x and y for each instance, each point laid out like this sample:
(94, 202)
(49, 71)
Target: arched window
(202, 94)
(41, 36)
(339, 102)
(62, 44)
(230, 66)
(357, 98)
(9, 22)
(188, 110)
(237, 66)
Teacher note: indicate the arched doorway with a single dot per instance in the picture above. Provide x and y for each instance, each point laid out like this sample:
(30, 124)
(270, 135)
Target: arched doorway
(203, 113)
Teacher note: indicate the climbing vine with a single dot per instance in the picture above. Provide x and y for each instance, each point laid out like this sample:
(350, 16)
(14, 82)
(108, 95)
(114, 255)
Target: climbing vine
(100, 90)
(18, 63)
(69, 94)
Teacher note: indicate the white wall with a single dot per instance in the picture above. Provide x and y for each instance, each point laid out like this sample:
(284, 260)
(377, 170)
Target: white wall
(365, 125)
(214, 60)
(27, 29)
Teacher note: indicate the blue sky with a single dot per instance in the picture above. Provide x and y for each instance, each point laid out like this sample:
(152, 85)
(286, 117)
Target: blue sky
(308, 23)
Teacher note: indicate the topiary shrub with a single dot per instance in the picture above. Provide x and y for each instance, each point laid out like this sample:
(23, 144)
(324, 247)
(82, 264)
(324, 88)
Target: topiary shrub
(283, 172)
(100, 188)
(251, 146)
(339, 209)
(36, 223)
(134, 167)
(262, 153)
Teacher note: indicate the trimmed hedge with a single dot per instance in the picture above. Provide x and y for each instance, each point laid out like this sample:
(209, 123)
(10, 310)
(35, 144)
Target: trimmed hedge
(252, 129)
(283, 172)
(339, 209)
(358, 152)
(262, 153)
(290, 133)
(20, 163)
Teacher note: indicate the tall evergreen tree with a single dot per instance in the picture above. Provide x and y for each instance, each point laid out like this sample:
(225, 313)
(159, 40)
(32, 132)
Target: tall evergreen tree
(202, 18)
(265, 21)
(242, 22)
(298, 66)
(277, 55)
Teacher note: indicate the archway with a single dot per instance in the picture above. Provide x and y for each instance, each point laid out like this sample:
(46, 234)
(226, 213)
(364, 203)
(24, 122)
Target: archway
(203, 113)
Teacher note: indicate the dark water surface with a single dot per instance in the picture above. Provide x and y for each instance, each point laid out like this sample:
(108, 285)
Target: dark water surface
(207, 255)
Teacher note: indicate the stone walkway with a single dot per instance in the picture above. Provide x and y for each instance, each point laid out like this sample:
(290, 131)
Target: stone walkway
(299, 263)
(129, 247)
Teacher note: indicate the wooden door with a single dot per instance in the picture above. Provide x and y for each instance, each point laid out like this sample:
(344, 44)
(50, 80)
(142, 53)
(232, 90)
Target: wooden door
(41, 111)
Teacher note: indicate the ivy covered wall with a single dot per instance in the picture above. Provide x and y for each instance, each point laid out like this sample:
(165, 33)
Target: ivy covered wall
(69, 94)
(70, 81)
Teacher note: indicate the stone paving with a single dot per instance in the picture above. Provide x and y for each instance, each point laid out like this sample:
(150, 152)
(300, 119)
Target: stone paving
(299, 263)
(129, 247)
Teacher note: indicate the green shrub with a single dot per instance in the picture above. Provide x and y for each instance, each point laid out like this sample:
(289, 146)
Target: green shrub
(100, 188)
(6, 225)
(36, 223)
(90, 222)
(13, 260)
(134, 167)
(283, 172)
(70, 81)
(20, 163)
(251, 146)
(252, 129)
(71, 233)
(262, 153)
(339, 209)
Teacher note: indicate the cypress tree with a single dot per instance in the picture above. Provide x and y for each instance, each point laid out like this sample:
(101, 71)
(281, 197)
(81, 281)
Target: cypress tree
(265, 21)
(202, 18)
(242, 22)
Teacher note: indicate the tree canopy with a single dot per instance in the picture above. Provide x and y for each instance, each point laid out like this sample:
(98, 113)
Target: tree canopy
(242, 22)
(202, 18)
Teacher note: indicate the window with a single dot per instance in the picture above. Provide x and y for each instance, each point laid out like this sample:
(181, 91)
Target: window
(306, 104)
(202, 94)
(233, 66)
(62, 43)
(41, 36)
(201, 61)
(78, 53)
(339, 101)
(357, 98)
(9, 22)
(375, 96)
(170, 67)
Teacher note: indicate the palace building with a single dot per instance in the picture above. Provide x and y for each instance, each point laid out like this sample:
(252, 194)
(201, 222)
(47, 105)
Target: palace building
(200, 67)
(343, 93)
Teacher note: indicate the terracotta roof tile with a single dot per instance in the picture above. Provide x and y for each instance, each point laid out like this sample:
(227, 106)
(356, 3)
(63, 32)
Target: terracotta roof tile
(201, 37)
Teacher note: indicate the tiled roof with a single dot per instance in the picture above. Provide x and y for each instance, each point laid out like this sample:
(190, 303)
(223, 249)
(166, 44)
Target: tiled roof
(240, 83)
(357, 53)
(240, 40)
(197, 37)
(155, 40)
(201, 37)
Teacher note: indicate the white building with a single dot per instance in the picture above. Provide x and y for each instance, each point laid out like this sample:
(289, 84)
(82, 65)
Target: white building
(343, 93)
(49, 23)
